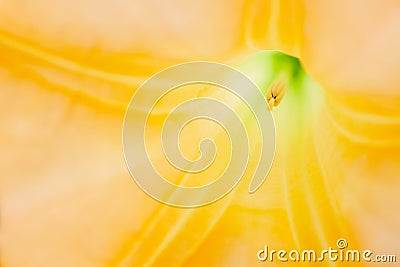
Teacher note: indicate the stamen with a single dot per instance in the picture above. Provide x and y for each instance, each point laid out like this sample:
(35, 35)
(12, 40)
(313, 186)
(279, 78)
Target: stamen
(276, 92)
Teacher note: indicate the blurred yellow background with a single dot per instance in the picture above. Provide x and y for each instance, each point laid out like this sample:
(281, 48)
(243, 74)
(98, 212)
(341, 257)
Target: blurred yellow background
(69, 68)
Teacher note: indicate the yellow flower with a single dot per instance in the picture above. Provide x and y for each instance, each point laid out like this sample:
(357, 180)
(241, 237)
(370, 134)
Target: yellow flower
(69, 68)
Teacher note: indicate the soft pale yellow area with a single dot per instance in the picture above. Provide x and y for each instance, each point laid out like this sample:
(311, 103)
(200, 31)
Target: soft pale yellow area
(190, 136)
(69, 68)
